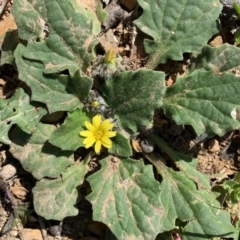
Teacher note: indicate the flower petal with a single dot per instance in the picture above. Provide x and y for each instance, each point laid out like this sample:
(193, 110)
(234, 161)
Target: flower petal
(89, 126)
(89, 141)
(107, 145)
(97, 146)
(86, 133)
(97, 121)
(110, 134)
(106, 140)
(106, 125)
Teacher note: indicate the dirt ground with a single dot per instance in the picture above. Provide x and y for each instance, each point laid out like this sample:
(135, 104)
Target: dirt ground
(218, 157)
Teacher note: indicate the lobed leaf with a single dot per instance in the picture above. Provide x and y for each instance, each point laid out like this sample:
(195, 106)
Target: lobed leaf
(8, 46)
(19, 110)
(37, 155)
(121, 146)
(198, 208)
(125, 196)
(223, 58)
(69, 40)
(52, 89)
(183, 162)
(206, 100)
(133, 96)
(93, 10)
(67, 136)
(176, 27)
(29, 16)
(57, 199)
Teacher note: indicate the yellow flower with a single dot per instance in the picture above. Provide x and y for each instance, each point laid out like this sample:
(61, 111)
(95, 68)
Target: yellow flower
(98, 133)
(95, 104)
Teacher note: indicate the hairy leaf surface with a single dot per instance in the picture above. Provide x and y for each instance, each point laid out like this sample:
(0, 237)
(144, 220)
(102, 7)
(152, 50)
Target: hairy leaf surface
(222, 58)
(52, 89)
(133, 96)
(183, 201)
(19, 110)
(125, 196)
(68, 40)
(208, 101)
(37, 155)
(8, 46)
(67, 136)
(183, 162)
(120, 146)
(176, 27)
(57, 199)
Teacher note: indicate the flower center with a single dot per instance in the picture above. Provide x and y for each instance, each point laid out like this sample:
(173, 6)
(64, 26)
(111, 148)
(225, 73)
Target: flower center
(98, 134)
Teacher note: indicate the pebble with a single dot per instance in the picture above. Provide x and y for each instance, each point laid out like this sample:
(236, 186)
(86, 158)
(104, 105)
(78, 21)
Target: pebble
(7, 172)
(14, 233)
(147, 145)
(55, 230)
(31, 234)
(213, 146)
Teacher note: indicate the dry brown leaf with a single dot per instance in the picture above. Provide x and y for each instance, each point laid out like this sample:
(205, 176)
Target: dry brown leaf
(136, 146)
(19, 192)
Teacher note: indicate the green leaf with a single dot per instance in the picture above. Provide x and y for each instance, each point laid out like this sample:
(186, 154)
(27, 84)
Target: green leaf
(237, 177)
(176, 27)
(125, 196)
(222, 58)
(67, 136)
(206, 100)
(29, 17)
(199, 207)
(228, 185)
(71, 40)
(95, 12)
(24, 211)
(121, 146)
(133, 96)
(57, 199)
(19, 110)
(37, 155)
(52, 89)
(236, 7)
(184, 162)
(8, 46)
(81, 85)
(237, 36)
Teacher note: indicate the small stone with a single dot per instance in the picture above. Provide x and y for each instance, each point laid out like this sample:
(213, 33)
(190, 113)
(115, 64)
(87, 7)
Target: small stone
(56, 230)
(108, 41)
(8, 171)
(129, 4)
(213, 146)
(147, 145)
(31, 234)
(14, 233)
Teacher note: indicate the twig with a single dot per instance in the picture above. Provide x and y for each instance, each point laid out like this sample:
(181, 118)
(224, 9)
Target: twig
(3, 5)
(10, 222)
(5, 187)
(42, 228)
